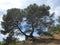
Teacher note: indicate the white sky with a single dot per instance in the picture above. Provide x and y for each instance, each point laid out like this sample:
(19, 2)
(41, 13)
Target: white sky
(7, 4)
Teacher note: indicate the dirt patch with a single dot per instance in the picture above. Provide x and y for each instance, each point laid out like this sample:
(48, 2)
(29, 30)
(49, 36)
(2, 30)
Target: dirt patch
(56, 36)
(46, 41)
(55, 40)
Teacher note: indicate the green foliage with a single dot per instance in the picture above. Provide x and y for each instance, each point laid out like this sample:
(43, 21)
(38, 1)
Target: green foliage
(55, 29)
(9, 23)
(58, 19)
(37, 17)
(9, 20)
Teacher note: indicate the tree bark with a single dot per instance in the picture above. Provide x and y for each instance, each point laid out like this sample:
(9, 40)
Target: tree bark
(26, 36)
(31, 34)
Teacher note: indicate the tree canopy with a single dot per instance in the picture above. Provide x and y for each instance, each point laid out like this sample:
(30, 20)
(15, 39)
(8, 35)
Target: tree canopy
(37, 19)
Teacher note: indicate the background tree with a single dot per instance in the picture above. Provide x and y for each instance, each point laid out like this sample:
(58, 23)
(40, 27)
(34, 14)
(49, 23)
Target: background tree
(55, 29)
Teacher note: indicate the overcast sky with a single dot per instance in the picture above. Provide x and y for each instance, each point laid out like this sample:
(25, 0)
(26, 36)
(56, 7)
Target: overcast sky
(8, 4)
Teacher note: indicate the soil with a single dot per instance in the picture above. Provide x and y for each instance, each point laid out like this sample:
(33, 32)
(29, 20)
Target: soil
(47, 41)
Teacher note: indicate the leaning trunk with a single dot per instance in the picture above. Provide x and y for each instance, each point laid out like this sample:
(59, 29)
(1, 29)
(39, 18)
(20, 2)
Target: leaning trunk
(29, 37)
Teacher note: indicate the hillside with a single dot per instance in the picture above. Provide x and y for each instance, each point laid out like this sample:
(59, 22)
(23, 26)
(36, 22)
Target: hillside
(44, 40)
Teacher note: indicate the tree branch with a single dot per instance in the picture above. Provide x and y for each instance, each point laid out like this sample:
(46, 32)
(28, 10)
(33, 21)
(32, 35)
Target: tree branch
(31, 34)
(21, 30)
